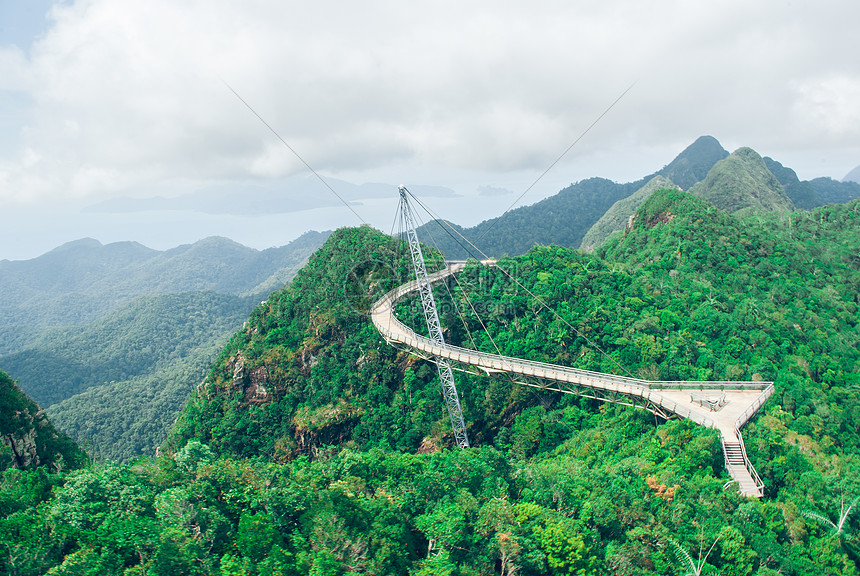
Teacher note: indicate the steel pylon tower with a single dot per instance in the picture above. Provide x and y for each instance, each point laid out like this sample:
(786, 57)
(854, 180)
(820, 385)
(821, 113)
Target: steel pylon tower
(428, 304)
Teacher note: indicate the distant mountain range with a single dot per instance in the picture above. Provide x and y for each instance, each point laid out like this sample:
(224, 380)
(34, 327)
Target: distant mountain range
(732, 182)
(82, 281)
(110, 339)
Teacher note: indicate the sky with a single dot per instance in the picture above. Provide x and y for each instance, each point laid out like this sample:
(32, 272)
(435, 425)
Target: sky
(142, 120)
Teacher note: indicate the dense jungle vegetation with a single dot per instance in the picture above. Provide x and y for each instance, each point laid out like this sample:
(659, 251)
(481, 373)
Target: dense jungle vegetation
(313, 447)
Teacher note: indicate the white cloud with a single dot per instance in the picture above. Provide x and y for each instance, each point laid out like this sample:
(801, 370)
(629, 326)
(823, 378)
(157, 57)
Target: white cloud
(828, 106)
(127, 98)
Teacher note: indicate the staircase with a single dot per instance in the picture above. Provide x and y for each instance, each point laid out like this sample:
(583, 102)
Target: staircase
(738, 467)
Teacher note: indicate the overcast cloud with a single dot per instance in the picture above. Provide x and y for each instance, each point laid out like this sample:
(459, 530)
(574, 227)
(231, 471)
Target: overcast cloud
(127, 100)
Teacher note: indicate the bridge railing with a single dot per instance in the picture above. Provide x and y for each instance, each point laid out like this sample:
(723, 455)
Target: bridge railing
(754, 407)
(387, 302)
(494, 362)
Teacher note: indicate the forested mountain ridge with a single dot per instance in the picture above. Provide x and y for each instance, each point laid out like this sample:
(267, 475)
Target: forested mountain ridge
(84, 280)
(110, 339)
(619, 214)
(313, 447)
(560, 219)
(693, 163)
(565, 218)
(149, 333)
(116, 385)
(742, 181)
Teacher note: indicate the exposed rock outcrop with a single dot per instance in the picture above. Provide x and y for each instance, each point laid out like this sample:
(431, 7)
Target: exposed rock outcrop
(27, 437)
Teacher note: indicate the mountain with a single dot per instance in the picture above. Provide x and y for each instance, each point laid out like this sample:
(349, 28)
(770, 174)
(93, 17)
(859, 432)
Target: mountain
(564, 218)
(149, 332)
(27, 437)
(834, 192)
(314, 447)
(801, 193)
(124, 420)
(809, 194)
(694, 163)
(117, 384)
(560, 219)
(853, 176)
(619, 214)
(84, 280)
(743, 181)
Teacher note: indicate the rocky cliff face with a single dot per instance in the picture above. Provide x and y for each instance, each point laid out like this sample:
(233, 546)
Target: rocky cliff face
(27, 437)
(22, 449)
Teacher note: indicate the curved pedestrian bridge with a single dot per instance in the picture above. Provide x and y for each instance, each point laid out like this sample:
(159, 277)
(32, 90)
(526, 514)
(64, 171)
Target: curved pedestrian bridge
(724, 405)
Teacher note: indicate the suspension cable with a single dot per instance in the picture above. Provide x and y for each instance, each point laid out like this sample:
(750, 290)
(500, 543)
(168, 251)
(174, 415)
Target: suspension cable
(448, 290)
(296, 154)
(557, 160)
(529, 292)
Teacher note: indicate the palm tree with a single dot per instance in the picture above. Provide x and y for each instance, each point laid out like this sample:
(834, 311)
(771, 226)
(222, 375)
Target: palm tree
(688, 566)
(836, 529)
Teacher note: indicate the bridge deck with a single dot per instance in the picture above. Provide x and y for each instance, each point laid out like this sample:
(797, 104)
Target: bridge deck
(742, 399)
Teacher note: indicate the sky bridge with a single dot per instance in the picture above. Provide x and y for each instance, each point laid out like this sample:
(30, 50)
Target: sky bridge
(724, 405)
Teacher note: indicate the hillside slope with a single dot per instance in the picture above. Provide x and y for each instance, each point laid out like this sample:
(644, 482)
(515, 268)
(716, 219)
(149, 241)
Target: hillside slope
(27, 437)
(743, 181)
(618, 215)
(116, 385)
(150, 333)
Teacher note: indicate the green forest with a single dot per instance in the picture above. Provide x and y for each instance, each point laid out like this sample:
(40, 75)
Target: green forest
(313, 447)
(117, 385)
(111, 339)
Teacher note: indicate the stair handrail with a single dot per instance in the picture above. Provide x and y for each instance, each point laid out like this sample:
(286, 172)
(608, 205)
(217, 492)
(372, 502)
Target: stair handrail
(740, 421)
(754, 407)
(759, 485)
(725, 452)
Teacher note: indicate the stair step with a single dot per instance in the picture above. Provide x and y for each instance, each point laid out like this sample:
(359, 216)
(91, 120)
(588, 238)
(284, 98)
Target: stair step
(736, 466)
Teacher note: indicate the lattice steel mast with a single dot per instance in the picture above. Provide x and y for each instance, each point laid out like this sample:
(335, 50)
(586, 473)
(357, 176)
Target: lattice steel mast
(428, 304)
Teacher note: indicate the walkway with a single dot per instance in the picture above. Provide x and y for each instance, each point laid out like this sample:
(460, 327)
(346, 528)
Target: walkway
(734, 402)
